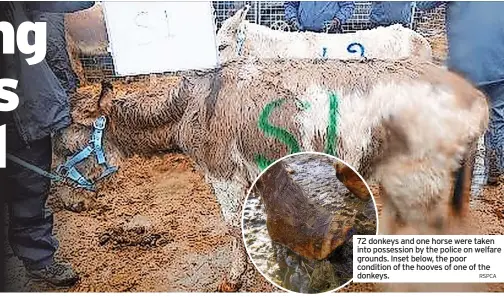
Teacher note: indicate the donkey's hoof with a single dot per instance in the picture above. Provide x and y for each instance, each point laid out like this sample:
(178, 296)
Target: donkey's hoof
(76, 207)
(227, 287)
(75, 200)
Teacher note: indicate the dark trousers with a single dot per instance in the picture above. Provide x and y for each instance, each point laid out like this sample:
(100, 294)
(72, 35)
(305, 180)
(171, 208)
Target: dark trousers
(494, 138)
(30, 221)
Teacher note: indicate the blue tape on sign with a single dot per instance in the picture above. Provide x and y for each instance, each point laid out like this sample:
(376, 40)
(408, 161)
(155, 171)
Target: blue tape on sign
(353, 51)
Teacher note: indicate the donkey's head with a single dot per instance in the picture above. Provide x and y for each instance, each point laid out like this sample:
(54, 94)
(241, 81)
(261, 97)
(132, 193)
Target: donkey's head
(227, 37)
(142, 118)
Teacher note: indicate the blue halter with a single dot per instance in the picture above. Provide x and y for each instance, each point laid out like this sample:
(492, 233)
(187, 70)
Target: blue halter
(68, 171)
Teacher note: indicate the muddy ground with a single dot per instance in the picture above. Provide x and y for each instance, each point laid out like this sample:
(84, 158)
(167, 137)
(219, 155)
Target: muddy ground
(157, 227)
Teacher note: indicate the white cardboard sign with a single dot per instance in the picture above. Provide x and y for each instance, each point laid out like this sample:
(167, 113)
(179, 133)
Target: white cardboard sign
(156, 37)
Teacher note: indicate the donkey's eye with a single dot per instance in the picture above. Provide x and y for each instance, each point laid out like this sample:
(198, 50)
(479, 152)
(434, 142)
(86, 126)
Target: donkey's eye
(223, 47)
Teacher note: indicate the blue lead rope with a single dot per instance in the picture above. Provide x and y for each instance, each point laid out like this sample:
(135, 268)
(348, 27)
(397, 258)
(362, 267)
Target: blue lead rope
(68, 171)
(34, 168)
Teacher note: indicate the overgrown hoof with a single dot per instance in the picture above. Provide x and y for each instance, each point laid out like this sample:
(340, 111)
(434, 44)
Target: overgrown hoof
(297, 222)
(352, 181)
(228, 287)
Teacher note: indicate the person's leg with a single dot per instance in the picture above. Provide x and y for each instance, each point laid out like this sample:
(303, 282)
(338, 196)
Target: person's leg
(30, 221)
(494, 138)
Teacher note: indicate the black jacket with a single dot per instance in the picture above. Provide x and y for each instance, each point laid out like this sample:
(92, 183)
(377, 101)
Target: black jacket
(44, 107)
(58, 6)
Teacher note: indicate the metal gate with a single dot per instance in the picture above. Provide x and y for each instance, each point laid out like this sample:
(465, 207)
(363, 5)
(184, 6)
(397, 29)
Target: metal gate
(267, 13)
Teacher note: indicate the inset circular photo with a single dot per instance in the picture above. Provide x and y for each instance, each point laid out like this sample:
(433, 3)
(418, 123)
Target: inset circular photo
(299, 219)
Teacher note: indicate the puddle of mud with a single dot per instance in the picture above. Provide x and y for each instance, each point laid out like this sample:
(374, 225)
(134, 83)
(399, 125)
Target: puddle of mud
(316, 175)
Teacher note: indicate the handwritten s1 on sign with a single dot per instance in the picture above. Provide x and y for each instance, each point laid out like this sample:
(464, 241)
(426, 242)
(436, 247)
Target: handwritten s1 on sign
(30, 38)
(157, 37)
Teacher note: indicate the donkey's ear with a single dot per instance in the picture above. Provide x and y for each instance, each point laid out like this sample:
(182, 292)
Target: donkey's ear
(243, 12)
(106, 96)
(239, 16)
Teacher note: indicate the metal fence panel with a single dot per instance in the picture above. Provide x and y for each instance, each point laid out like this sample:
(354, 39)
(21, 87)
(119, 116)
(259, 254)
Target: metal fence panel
(266, 13)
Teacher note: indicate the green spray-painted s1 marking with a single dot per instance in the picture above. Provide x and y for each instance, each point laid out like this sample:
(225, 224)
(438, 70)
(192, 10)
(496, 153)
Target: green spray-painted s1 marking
(287, 138)
(278, 133)
(330, 147)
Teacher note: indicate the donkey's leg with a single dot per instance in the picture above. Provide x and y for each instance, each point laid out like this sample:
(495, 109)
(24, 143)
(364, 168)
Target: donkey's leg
(389, 216)
(419, 194)
(463, 186)
(417, 190)
(231, 196)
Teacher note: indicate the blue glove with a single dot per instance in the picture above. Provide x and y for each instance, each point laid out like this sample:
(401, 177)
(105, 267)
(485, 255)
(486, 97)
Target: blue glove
(334, 26)
(294, 24)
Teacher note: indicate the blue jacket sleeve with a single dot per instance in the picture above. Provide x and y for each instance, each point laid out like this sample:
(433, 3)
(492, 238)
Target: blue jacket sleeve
(58, 6)
(291, 9)
(427, 5)
(346, 11)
